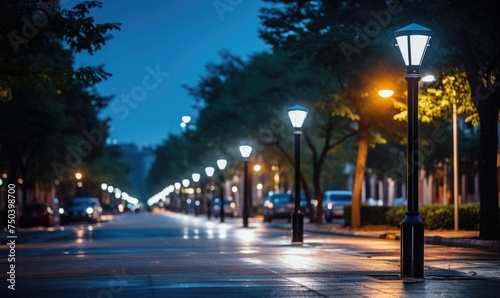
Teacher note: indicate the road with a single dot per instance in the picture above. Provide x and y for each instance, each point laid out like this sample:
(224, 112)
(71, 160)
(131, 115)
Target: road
(163, 254)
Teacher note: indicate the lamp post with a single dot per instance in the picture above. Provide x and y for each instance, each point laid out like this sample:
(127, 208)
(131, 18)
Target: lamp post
(209, 171)
(104, 187)
(221, 164)
(196, 178)
(79, 183)
(245, 151)
(412, 41)
(297, 115)
(185, 122)
(185, 183)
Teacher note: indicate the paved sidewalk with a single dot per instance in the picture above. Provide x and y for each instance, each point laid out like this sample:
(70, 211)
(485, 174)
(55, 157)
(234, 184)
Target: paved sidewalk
(459, 238)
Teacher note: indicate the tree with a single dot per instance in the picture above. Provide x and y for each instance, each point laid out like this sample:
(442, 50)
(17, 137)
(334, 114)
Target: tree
(324, 31)
(466, 42)
(29, 25)
(49, 110)
(249, 100)
(465, 37)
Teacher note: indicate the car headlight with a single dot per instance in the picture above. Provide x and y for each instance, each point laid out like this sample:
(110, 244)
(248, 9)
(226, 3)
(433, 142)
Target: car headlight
(330, 205)
(61, 210)
(90, 210)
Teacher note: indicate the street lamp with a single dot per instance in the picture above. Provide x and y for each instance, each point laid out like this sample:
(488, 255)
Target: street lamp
(245, 151)
(79, 183)
(221, 164)
(196, 178)
(185, 121)
(104, 187)
(209, 171)
(412, 41)
(185, 183)
(297, 115)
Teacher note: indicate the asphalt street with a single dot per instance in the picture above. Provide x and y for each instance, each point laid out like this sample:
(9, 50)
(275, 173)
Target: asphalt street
(164, 254)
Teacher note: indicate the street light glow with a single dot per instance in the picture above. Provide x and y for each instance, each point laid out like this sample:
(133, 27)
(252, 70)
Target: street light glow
(209, 171)
(221, 164)
(412, 41)
(385, 93)
(245, 151)
(186, 119)
(297, 115)
(196, 177)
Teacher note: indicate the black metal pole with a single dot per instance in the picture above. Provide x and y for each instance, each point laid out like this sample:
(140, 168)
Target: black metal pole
(297, 215)
(195, 201)
(412, 226)
(221, 197)
(245, 195)
(208, 195)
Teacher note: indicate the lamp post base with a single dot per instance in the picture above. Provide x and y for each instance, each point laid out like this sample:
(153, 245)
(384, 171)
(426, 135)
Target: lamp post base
(412, 245)
(245, 218)
(297, 227)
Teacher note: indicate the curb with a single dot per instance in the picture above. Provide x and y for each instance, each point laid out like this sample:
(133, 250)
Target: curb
(436, 240)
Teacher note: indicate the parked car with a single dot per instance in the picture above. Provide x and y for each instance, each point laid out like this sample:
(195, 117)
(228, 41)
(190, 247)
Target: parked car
(400, 201)
(334, 202)
(81, 209)
(37, 214)
(281, 205)
(229, 207)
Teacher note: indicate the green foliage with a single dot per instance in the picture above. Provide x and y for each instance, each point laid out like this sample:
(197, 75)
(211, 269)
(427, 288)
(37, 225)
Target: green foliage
(370, 215)
(438, 217)
(47, 108)
(28, 28)
(395, 215)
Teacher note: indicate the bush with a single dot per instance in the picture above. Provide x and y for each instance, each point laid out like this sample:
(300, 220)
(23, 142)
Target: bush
(370, 215)
(395, 215)
(435, 217)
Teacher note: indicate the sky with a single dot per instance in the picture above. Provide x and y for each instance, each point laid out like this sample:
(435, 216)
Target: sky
(162, 45)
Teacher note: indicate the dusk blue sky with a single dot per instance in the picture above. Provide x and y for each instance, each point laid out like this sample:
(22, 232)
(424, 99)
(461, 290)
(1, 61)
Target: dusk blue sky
(162, 45)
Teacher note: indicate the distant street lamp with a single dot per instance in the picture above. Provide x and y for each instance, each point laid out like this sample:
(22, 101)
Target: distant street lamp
(185, 121)
(79, 183)
(196, 177)
(245, 151)
(297, 115)
(104, 188)
(412, 41)
(185, 183)
(221, 164)
(209, 171)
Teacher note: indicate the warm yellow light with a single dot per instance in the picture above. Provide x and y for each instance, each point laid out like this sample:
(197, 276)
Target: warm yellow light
(256, 168)
(78, 175)
(385, 93)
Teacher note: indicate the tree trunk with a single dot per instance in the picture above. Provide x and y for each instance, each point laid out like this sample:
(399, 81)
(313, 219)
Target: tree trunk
(488, 188)
(359, 175)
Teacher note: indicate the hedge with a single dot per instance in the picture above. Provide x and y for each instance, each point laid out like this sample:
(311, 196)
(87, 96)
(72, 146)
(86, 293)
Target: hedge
(435, 217)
